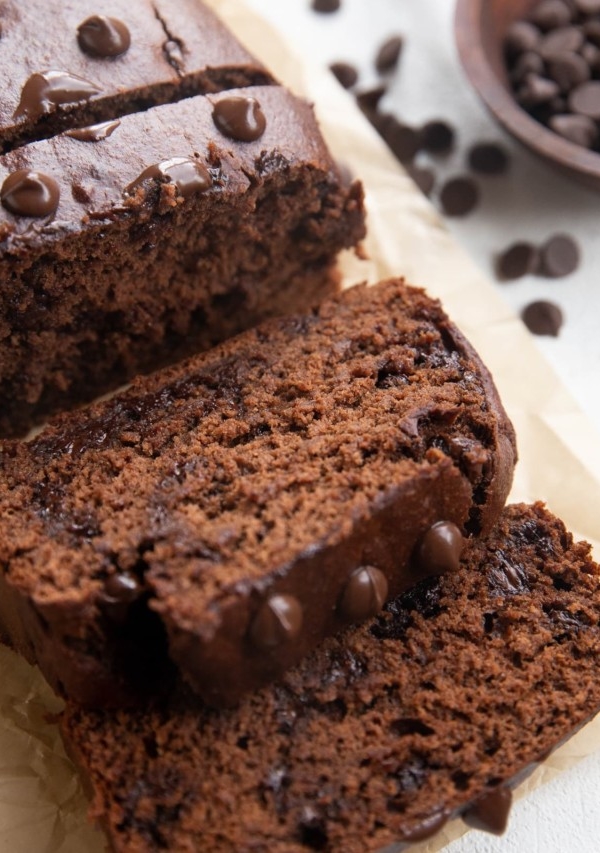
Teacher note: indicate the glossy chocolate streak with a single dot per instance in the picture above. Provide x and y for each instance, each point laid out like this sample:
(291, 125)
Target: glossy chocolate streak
(49, 89)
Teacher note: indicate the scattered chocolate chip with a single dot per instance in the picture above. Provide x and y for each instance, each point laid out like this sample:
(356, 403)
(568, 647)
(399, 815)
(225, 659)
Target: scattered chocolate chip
(423, 177)
(346, 74)
(488, 158)
(459, 196)
(369, 99)
(585, 99)
(490, 812)
(239, 118)
(439, 549)
(551, 14)
(388, 54)
(44, 91)
(326, 5)
(278, 621)
(95, 132)
(189, 176)
(364, 594)
(517, 260)
(582, 130)
(123, 587)
(437, 137)
(560, 256)
(591, 54)
(403, 139)
(521, 36)
(543, 318)
(30, 193)
(103, 37)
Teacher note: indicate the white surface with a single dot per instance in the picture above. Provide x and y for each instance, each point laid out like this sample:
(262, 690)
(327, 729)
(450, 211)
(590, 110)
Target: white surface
(532, 202)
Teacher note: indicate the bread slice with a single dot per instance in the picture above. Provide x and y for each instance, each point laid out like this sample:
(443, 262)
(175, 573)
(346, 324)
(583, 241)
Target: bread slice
(243, 505)
(433, 709)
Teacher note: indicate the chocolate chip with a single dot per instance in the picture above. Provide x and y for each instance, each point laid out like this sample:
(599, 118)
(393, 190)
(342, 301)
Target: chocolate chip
(543, 318)
(369, 99)
(561, 40)
(537, 90)
(527, 63)
(388, 54)
(517, 260)
(346, 74)
(95, 132)
(587, 7)
(29, 193)
(551, 14)
(459, 196)
(439, 549)
(189, 176)
(585, 99)
(437, 137)
(239, 118)
(403, 139)
(568, 70)
(364, 594)
(591, 30)
(488, 158)
(122, 587)
(326, 5)
(490, 812)
(560, 256)
(278, 621)
(44, 91)
(423, 177)
(102, 36)
(521, 36)
(426, 828)
(591, 54)
(581, 130)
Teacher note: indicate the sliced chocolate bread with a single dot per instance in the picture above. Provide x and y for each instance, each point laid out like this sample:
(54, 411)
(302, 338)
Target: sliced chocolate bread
(71, 63)
(243, 505)
(433, 709)
(126, 246)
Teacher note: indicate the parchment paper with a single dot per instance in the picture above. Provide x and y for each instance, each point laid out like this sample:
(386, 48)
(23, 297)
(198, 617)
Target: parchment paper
(42, 806)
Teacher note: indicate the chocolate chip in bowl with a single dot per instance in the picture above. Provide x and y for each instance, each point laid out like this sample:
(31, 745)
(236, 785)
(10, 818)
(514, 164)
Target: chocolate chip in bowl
(536, 66)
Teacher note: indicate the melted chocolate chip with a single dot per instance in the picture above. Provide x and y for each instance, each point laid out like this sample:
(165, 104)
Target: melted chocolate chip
(440, 548)
(427, 828)
(122, 587)
(95, 132)
(103, 37)
(490, 812)
(278, 621)
(239, 118)
(189, 176)
(364, 594)
(29, 193)
(44, 91)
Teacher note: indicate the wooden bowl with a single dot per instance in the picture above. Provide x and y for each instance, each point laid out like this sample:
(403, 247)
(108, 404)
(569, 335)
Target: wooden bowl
(480, 27)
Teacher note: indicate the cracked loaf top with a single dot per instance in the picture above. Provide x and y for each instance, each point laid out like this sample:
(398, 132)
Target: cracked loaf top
(78, 62)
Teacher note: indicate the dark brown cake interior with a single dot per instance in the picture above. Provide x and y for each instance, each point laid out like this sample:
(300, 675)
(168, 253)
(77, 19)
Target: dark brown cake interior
(382, 733)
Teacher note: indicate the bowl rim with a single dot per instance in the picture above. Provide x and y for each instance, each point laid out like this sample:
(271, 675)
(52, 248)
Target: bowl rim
(501, 103)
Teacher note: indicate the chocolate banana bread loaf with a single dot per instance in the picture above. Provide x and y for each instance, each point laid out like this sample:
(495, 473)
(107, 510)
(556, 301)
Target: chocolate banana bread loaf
(241, 506)
(70, 63)
(127, 245)
(433, 709)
